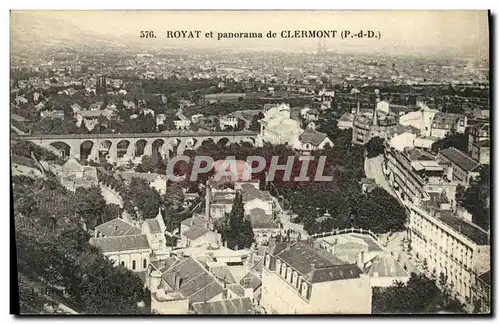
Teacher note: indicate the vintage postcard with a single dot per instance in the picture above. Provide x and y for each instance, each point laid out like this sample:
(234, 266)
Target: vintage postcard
(200, 163)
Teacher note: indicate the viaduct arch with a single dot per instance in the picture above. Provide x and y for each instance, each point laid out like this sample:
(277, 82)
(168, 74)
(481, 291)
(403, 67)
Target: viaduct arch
(119, 146)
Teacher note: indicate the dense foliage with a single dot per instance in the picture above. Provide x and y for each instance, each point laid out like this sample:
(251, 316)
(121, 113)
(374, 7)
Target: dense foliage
(237, 231)
(375, 147)
(420, 295)
(456, 140)
(476, 199)
(53, 250)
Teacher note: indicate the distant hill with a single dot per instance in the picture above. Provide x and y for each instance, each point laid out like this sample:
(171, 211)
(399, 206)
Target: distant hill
(32, 32)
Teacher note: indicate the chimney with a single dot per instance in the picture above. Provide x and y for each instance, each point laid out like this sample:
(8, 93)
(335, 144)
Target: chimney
(175, 275)
(375, 121)
(207, 202)
(361, 260)
(313, 266)
(178, 283)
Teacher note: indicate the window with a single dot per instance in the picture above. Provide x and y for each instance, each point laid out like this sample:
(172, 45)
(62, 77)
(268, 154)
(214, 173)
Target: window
(144, 263)
(304, 290)
(122, 263)
(133, 265)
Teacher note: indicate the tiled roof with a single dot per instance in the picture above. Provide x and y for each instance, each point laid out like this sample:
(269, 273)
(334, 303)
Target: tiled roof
(154, 225)
(446, 120)
(164, 264)
(486, 277)
(222, 272)
(121, 243)
(469, 230)
(333, 273)
(260, 219)
(72, 165)
(250, 280)
(312, 136)
(250, 192)
(118, 227)
(195, 232)
(196, 283)
(224, 307)
(372, 244)
(276, 247)
(302, 257)
(195, 221)
(460, 159)
(317, 265)
(237, 289)
(386, 266)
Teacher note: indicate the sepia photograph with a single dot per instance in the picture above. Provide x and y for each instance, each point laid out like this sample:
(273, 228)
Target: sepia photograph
(250, 162)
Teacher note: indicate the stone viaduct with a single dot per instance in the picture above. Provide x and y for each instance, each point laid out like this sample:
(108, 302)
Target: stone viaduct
(117, 146)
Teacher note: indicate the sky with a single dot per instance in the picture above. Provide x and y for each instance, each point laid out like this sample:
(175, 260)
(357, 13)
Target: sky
(460, 33)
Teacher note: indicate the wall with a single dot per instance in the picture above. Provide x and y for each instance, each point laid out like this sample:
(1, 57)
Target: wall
(387, 281)
(179, 306)
(262, 235)
(212, 238)
(267, 206)
(128, 257)
(399, 142)
(352, 296)
(279, 297)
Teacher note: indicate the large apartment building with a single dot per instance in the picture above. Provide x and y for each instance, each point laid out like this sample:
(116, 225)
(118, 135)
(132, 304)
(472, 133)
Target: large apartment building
(298, 278)
(415, 175)
(449, 245)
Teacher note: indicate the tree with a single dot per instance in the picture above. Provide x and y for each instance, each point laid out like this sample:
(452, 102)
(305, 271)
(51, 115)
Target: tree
(147, 199)
(476, 198)
(380, 212)
(111, 211)
(61, 255)
(239, 233)
(90, 205)
(241, 125)
(375, 147)
(419, 295)
(456, 140)
(255, 125)
(146, 165)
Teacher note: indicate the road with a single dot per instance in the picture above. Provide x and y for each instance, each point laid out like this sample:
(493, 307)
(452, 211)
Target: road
(373, 169)
(110, 197)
